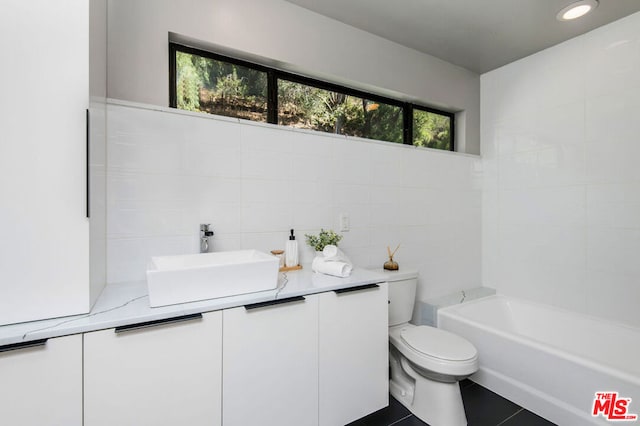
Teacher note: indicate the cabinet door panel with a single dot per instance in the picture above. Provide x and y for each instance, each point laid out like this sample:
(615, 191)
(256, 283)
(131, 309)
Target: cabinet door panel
(270, 372)
(168, 374)
(42, 386)
(353, 354)
(44, 254)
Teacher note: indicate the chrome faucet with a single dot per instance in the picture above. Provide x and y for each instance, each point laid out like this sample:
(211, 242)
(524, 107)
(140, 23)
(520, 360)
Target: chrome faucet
(205, 234)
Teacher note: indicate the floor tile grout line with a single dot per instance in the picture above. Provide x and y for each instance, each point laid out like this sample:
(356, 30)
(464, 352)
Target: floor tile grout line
(399, 420)
(511, 416)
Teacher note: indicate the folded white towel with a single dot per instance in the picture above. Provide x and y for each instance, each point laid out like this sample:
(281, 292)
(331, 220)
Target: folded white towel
(332, 262)
(337, 269)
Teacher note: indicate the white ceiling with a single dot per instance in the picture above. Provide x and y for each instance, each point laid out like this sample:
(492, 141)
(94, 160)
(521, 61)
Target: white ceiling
(479, 35)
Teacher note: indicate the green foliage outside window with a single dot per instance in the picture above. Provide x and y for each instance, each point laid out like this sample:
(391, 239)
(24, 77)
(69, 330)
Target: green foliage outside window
(188, 83)
(309, 107)
(431, 130)
(217, 87)
(213, 86)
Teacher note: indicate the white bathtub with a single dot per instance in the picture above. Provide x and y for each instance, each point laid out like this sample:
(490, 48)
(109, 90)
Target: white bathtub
(549, 360)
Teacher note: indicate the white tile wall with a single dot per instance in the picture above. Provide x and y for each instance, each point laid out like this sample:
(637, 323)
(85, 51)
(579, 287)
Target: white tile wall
(170, 171)
(561, 200)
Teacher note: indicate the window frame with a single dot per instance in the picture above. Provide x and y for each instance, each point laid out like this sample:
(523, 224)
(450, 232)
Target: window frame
(273, 75)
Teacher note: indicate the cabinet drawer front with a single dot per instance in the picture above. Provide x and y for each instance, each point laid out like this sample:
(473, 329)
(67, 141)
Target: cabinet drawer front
(42, 385)
(168, 374)
(270, 371)
(353, 345)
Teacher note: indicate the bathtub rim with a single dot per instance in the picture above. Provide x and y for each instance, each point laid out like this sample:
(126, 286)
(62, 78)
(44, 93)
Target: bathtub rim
(453, 313)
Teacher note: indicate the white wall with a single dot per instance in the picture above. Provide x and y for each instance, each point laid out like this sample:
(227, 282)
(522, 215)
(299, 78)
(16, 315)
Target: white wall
(290, 37)
(561, 203)
(169, 171)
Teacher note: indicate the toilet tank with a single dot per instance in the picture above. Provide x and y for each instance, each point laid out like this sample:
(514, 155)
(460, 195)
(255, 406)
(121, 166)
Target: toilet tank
(402, 294)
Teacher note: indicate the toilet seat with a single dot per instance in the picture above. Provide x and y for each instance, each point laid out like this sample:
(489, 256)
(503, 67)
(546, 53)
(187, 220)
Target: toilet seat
(435, 350)
(438, 343)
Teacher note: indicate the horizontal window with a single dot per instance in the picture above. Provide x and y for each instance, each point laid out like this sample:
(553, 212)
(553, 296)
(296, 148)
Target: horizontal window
(207, 82)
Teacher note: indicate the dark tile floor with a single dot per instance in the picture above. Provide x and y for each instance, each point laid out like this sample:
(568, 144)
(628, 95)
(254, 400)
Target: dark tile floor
(483, 408)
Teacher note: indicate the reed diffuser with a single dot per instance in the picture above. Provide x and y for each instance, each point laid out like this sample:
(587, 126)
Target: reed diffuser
(391, 265)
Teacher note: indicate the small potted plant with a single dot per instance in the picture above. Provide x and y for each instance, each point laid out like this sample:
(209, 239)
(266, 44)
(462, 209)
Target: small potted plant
(323, 239)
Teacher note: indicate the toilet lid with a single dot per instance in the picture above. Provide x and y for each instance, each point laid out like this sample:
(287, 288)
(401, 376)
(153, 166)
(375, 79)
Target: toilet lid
(438, 343)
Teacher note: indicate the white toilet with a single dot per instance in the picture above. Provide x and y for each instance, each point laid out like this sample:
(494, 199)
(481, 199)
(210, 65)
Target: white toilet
(426, 362)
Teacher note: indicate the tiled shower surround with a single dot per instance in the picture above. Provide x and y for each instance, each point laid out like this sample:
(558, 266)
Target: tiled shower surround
(561, 150)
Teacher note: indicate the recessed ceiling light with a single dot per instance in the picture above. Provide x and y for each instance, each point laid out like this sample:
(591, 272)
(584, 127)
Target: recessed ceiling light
(576, 10)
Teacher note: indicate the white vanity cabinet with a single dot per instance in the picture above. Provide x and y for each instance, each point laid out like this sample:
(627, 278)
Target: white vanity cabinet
(353, 347)
(270, 371)
(41, 385)
(163, 373)
(318, 359)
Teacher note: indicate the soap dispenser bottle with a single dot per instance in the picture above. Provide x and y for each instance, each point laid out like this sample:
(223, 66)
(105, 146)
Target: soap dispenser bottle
(291, 251)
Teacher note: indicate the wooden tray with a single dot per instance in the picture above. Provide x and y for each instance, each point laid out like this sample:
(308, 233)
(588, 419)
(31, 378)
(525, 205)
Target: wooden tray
(290, 268)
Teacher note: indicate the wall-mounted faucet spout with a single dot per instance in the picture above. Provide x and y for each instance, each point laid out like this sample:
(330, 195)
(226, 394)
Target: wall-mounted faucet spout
(205, 234)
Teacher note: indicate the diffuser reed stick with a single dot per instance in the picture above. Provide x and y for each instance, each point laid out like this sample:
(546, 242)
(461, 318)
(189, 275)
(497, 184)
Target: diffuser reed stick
(394, 252)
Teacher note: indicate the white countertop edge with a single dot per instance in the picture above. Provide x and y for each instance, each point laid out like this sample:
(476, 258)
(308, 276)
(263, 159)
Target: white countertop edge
(127, 303)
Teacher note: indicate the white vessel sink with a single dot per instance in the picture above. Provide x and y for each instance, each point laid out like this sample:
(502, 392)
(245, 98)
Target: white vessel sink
(188, 278)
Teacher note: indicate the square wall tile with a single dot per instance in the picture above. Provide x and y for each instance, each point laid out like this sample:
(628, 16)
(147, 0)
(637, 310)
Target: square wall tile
(313, 144)
(127, 258)
(384, 163)
(543, 246)
(265, 137)
(263, 191)
(554, 206)
(223, 217)
(258, 164)
(617, 302)
(140, 219)
(139, 153)
(614, 250)
(212, 158)
(606, 163)
(613, 58)
(561, 77)
(614, 205)
(265, 217)
(310, 215)
(308, 168)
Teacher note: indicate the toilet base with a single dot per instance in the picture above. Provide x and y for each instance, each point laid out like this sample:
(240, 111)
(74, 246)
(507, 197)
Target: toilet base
(436, 403)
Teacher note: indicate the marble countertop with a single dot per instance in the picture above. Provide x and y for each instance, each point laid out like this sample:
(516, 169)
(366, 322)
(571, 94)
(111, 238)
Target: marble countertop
(128, 303)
